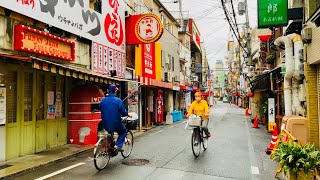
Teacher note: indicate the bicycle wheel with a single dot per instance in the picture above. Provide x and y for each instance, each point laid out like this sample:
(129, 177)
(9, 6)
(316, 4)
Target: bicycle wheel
(195, 142)
(204, 141)
(101, 157)
(128, 145)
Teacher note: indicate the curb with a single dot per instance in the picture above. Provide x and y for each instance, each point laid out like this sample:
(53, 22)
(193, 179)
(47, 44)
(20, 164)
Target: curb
(55, 161)
(48, 163)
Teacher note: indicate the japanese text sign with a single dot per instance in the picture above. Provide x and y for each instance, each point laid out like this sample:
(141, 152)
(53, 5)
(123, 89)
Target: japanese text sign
(148, 61)
(75, 16)
(272, 13)
(105, 59)
(32, 40)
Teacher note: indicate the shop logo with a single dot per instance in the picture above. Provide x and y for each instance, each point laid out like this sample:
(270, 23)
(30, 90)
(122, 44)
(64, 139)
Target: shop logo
(148, 28)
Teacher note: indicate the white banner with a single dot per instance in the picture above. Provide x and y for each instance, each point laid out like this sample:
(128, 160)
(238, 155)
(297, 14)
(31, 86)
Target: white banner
(271, 110)
(75, 16)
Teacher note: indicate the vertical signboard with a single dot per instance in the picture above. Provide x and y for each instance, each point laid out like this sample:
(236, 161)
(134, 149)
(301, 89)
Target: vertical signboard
(271, 112)
(148, 61)
(2, 105)
(272, 13)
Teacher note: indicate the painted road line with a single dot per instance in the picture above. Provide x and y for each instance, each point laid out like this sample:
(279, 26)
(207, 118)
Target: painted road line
(255, 170)
(155, 133)
(60, 171)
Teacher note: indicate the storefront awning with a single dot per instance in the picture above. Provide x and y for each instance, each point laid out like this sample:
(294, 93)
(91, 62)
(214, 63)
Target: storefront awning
(153, 82)
(75, 72)
(262, 81)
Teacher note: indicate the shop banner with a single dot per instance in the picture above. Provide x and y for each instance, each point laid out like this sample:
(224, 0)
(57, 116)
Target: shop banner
(271, 113)
(50, 97)
(106, 27)
(2, 105)
(106, 59)
(148, 61)
(133, 90)
(159, 110)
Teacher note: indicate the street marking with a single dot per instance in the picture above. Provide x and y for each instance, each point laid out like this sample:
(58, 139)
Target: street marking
(155, 133)
(60, 171)
(255, 170)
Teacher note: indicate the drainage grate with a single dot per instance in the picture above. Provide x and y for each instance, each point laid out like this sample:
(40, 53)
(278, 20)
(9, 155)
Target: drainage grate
(4, 166)
(135, 162)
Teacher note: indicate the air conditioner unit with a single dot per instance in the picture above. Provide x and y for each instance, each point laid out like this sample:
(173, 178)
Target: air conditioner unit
(306, 34)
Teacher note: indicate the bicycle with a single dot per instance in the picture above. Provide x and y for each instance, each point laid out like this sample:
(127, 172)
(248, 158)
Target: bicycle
(104, 148)
(198, 135)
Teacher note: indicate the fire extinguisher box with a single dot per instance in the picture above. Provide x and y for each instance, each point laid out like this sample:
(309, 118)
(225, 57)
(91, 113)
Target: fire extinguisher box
(84, 114)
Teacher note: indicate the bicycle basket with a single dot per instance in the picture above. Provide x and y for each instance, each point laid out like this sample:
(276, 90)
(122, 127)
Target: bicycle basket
(132, 124)
(194, 121)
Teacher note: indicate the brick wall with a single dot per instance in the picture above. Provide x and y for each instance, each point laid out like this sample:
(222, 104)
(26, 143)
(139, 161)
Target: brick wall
(312, 103)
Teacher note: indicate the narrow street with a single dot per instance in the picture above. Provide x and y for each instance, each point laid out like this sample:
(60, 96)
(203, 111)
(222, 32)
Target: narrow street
(236, 151)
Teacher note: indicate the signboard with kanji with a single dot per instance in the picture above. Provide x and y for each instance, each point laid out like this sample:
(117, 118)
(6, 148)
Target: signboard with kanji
(272, 13)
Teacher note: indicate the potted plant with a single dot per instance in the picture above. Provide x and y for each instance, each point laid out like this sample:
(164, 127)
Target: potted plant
(264, 111)
(297, 161)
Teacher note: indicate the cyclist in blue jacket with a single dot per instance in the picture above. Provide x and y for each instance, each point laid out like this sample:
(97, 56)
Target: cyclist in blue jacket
(112, 108)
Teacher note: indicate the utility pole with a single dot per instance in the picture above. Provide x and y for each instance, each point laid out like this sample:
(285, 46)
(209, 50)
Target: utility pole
(247, 35)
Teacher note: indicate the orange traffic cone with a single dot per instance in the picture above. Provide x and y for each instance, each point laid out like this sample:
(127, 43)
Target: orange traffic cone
(247, 111)
(255, 124)
(273, 140)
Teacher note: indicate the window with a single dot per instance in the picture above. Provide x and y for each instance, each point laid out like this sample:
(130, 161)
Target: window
(172, 64)
(163, 20)
(96, 5)
(169, 63)
(41, 96)
(60, 98)
(11, 91)
(28, 96)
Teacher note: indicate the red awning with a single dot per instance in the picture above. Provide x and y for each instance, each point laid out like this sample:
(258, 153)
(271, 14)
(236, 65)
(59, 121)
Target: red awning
(182, 87)
(265, 37)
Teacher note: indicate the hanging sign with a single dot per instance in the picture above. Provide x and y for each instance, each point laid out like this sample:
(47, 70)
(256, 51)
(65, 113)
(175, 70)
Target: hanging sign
(2, 105)
(143, 29)
(272, 13)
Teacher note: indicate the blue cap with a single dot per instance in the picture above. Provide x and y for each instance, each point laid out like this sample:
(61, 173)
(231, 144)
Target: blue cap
(112, 87)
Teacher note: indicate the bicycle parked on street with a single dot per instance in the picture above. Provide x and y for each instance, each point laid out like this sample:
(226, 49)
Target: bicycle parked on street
(104, 148)
(198, 137)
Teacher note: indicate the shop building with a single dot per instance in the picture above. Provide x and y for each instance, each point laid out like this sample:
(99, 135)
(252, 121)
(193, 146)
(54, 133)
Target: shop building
(44, 55)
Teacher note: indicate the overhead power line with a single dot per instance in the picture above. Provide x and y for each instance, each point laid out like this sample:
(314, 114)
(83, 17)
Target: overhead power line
(229, 21)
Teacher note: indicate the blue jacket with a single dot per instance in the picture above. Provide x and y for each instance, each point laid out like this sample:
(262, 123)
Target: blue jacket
(112, 108)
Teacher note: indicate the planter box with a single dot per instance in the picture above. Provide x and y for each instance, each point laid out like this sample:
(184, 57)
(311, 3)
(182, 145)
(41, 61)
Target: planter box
(299, 176)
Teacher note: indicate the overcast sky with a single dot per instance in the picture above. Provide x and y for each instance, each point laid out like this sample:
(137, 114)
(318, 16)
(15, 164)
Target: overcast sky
(213, 26)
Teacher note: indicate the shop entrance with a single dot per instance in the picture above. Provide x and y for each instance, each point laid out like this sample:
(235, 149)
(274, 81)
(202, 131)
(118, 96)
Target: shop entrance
(51, 121)
(30, 97)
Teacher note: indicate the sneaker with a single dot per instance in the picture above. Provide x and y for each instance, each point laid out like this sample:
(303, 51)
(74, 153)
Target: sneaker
(118, 148)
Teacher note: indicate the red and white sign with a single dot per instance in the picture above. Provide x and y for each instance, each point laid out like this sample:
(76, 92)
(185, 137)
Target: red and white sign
(159, 106)
(105, 59)
(77, 17)
(143, 29)
(195, 33)
(148, 61)
(35, 41)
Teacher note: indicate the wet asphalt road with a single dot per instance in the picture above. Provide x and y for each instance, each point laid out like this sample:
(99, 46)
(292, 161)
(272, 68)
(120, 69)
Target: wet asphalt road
(235, 151)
